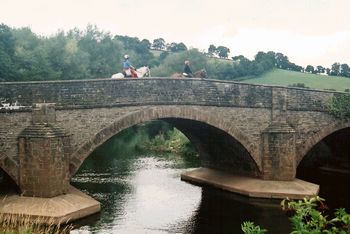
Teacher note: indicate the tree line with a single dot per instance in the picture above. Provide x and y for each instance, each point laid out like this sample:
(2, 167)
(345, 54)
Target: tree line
(92, 53)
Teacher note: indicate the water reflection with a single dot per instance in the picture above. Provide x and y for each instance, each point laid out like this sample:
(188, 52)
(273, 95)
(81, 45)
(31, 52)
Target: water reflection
(145, 195)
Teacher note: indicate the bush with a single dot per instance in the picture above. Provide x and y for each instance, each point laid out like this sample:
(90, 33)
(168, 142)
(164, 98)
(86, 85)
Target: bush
(340, 106)
(299, 85)
(250, 228)
(309, 216)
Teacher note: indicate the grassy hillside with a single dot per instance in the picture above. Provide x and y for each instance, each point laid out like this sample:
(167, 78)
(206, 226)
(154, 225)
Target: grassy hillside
(284, 78)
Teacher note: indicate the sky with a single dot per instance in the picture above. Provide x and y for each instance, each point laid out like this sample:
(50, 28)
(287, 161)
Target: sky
(315, 32)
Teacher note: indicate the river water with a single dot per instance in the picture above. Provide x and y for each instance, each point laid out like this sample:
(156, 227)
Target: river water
(144, 194)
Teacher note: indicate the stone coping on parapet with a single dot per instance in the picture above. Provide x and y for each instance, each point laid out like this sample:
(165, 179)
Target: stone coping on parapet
(60, 209)
(167, 78)
(252, 187)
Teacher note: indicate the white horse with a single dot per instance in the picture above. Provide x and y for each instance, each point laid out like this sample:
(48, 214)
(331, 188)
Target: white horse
(141, 72)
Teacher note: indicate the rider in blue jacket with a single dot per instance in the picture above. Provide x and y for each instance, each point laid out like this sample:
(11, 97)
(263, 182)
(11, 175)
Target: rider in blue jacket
(128, 69)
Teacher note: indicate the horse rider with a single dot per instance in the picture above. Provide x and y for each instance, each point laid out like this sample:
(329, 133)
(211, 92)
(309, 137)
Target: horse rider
(187, 70)
(128, 69)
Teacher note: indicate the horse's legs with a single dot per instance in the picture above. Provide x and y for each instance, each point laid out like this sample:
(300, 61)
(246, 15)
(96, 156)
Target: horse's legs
(133, 73)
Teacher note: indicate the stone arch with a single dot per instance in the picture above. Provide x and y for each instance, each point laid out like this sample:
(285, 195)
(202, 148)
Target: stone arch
(162, 112)
(318, 136)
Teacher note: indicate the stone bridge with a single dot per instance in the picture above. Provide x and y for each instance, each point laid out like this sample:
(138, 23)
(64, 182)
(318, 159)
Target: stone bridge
(50, 128)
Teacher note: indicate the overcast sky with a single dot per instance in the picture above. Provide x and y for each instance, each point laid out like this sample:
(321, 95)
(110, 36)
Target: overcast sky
(315, 32)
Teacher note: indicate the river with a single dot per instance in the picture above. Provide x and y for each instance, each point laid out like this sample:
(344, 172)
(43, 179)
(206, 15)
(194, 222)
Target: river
(144, 194)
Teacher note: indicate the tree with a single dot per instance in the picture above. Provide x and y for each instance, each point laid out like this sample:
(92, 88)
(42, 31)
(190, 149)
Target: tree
(212, 50)
(310, 69)
(146, 43)
(320, 69)
(335, 69)
(7, 50)
(181, 47)
(265, 61)
(345, 70)
(223, 51)
(159, 44)
(282, 61)
(176, 47)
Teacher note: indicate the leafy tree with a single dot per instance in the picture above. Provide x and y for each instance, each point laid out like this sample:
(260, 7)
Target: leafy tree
(294, 67)
(174, 62)
(159, 44)
(7, 50)
(345, 70)
(212, 50)
(335, 69)
(146, 44)
(181, 47)
(223, 51)
(320, 69)
(176, 47)
(310, 69)
(32, 57)
(282, 61)
(265, 61)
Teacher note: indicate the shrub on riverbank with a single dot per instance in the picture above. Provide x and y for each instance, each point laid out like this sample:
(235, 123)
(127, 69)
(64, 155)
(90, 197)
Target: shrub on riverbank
(309, 216)
(170, 141)
(340, 106)
(23, 224)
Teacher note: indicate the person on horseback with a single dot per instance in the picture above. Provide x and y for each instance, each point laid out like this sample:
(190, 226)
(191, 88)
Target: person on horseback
(187, 70)
(128, 69)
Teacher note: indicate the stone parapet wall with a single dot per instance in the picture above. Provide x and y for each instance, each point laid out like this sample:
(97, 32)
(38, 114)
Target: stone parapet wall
(152, 91)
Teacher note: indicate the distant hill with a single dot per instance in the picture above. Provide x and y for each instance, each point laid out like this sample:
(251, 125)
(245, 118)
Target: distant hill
(287, 78)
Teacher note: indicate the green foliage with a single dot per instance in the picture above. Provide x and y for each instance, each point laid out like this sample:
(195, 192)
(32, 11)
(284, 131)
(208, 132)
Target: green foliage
(174, 62)
(340, 106)
(309, 216)
(171, 140)
(298, 85)
(92, 53)
(250, 228)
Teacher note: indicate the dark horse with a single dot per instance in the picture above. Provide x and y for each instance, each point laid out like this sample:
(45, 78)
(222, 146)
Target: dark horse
(202, 73)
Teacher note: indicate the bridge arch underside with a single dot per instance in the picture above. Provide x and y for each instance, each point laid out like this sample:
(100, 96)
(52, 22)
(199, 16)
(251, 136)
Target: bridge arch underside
(8, 169)
(217, 148)
(7, 182)
(331, 151)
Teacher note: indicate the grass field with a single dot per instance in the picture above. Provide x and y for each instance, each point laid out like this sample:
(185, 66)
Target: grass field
(285, 78)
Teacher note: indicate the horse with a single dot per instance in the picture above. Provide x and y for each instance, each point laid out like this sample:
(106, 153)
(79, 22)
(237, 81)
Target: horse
(141, 72)
(202, 73)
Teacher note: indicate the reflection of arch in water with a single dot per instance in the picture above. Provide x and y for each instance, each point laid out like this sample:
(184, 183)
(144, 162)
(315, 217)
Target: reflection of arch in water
(218, 142)
(223, 212)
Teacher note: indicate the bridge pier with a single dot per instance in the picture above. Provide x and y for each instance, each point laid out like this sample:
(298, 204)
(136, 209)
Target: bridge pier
(278, 162)
(44, 153)
(278, 170)
(279, 152)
